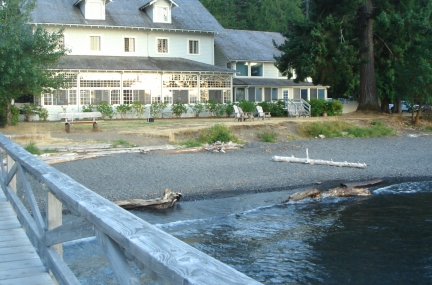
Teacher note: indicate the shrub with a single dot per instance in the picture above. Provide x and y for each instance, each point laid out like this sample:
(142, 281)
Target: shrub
(333, 108)
(197, 109)
(156, 109)
(178, 109)
(268, 136)
(191, 143)
(211, 107)
(247, 106)
(138, 108)
(106, 109)
(218, 132)
(341, 129)
(15, 111)
(220, 109)
(229, 109)
(88, 108)
(32, 148)
(123, 109)
(29, 110)
(42, 113)
(318, 106)
(121, 143)
(276, 109)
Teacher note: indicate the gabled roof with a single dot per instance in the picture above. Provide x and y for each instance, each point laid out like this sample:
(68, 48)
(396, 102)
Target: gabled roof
(151, 2)
(240, 45)
(190, 15)
(135, 63)
(79, 1)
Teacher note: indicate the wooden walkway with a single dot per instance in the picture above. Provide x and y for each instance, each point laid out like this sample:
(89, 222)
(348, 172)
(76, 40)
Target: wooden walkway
(19, 262)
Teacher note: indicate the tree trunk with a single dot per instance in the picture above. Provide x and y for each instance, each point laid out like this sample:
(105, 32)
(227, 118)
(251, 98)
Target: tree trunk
(368, 94)
(417, 116)
(8, 114)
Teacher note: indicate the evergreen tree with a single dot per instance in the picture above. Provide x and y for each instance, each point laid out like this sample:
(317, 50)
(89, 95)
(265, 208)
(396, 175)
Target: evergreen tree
(26, 54)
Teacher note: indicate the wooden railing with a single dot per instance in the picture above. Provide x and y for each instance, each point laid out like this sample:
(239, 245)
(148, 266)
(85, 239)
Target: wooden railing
(124, 237)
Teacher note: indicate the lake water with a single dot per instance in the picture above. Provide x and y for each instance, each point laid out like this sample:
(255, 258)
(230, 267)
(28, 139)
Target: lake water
(385, 238)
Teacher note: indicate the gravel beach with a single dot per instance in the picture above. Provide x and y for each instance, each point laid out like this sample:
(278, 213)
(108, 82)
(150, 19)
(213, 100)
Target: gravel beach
(207, 175)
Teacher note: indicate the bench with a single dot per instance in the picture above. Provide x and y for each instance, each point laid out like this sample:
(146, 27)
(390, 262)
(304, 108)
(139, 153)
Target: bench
(69, 119)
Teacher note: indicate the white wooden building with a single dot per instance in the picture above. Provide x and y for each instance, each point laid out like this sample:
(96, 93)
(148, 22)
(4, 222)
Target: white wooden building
(251, 54)
(124, 51)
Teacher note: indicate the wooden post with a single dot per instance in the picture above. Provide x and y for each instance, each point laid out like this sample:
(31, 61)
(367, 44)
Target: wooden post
(54, 216)
(10, 164)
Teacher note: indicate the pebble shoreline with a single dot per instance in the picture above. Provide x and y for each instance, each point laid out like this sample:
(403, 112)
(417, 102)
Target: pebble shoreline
(207, 175)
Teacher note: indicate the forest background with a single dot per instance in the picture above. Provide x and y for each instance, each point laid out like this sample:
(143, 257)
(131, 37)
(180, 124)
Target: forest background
(377, 52)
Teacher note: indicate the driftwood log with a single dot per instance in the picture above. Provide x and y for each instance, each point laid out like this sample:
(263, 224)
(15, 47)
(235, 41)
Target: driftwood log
(346, 190)
(167, 201)
(307, 160)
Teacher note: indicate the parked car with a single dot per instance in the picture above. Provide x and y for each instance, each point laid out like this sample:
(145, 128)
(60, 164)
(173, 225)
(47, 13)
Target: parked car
(405, 107)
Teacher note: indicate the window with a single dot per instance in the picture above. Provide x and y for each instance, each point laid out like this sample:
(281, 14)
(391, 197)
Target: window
(285, 95)
(321, 93)
(162, 45)
(274, 94)
(161, 14)
(193, 47)
(239, 94)
(256, 69)
(129, 45)
(242, 68)
(304, 94)
(95, 43)
(313, 93)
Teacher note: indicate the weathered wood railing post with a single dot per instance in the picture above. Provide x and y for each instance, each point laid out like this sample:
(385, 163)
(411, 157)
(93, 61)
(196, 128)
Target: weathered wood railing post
(10, 163)
(54, 216)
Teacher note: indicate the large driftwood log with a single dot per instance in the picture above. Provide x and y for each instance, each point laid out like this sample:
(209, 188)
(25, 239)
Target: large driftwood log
(168, 200)
(313, 193)
(346, 192)
(335, 192)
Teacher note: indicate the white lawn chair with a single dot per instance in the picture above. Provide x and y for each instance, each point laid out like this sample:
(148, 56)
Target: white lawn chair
(238, 113)
(262, 114)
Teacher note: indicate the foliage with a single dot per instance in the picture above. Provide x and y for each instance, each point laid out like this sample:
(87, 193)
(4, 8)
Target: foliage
(211, 107)
(221, 109)
(42, 113)
(258, 15)
(319, 106)
(229, 109)
(344, 129)
(15, 111)
(247, 106)
(29, 110)
(88, 108)
(121, 143)
(32, 148)
(138, 108)
(178, 109)
(123, 109)
(197, 108)
(156, 109)
(191, 143)
(105, 109)
(268, 136)
(276, 109)
(27, 54)
(218, 132)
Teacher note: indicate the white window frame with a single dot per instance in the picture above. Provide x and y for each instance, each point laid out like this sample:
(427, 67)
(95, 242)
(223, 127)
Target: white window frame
(90, 43)
(167, 45)
(157, 18)
(198, 44)
(124, 44)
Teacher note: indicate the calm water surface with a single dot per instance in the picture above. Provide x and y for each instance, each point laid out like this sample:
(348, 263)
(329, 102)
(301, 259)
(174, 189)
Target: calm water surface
(382, 239)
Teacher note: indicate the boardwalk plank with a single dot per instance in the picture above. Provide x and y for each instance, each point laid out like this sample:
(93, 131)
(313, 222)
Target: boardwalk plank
(16, 249)
(41, 279)
(21, 272)
(13, 265)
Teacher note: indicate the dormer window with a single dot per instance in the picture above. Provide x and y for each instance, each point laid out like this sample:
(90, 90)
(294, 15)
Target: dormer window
(161, 14)
(93, 9)
(159, 10)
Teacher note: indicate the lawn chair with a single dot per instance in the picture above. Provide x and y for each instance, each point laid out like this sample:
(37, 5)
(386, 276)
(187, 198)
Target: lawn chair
(262, 114)
(246, 115)
(238, 113)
